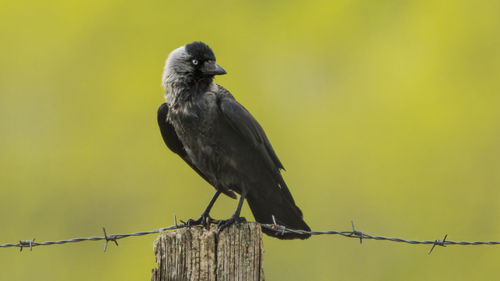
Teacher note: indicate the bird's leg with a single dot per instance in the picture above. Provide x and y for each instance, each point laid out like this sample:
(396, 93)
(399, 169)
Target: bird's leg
(235, 218)
(205, 218)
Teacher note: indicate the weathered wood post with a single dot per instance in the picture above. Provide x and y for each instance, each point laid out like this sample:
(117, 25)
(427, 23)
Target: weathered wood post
(198, 254)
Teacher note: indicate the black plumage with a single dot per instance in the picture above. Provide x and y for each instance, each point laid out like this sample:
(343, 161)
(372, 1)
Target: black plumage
(203, 123)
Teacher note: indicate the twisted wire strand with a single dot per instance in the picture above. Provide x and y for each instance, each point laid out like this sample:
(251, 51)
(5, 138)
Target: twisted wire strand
(279, 228)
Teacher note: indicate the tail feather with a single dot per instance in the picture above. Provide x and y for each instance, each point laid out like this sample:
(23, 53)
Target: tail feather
(268, 201)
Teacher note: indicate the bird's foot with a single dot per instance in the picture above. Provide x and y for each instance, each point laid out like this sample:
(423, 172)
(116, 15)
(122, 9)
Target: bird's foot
(234, 219)
(204, 221)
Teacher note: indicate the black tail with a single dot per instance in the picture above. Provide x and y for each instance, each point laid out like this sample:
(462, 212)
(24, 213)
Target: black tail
(268, 201)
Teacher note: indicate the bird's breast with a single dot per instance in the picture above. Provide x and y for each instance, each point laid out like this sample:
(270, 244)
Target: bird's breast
(195, 121)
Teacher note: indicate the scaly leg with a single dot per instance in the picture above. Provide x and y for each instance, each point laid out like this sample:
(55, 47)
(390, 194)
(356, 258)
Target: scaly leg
(235, 218)
(205, 218)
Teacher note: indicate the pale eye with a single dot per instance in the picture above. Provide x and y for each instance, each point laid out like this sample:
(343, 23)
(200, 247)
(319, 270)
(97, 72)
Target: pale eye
(194, 62)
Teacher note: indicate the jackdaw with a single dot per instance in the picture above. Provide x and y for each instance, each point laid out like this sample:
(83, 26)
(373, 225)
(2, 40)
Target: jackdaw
(215, 135)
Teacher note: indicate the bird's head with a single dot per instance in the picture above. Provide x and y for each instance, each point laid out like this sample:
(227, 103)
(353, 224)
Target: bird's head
(191, 63)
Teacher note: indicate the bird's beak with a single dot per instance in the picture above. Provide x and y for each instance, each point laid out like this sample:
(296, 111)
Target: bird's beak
(211, 68)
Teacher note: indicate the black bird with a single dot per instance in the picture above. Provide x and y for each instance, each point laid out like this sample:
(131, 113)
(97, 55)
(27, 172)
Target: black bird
(203, 123)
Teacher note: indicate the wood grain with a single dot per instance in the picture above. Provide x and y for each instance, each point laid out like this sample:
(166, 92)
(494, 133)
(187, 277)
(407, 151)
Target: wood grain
(196, 253)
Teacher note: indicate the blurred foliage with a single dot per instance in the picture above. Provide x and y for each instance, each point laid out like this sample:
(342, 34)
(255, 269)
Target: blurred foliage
(384, 112)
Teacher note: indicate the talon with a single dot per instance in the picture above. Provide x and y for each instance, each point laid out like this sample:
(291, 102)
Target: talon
(204, 220)
(233, 220)
(192, 222)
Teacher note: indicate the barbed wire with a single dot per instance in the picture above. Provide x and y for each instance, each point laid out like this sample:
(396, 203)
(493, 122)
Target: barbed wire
(113, 237)
(354, 233)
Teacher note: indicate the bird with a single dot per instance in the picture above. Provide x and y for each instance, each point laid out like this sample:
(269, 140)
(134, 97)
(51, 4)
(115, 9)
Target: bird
(219, 139)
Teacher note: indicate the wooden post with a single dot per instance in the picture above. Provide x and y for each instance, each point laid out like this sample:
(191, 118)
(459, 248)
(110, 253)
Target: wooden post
(198, 254)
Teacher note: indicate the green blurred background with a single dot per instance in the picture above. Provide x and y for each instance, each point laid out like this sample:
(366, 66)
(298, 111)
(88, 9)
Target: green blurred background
(383, 112)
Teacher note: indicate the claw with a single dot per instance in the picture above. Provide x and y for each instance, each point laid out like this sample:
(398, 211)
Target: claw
(204, 220)
(192, 222)
(234, 219)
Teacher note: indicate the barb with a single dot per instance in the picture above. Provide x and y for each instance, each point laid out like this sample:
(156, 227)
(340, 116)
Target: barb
(357, 233)
(108, 238)
(354, 233)
(26, 243)
(438, 242)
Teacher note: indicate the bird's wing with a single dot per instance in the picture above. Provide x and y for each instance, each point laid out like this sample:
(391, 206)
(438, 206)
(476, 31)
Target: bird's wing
(168, 132)
(244, 123)
(174, 143)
